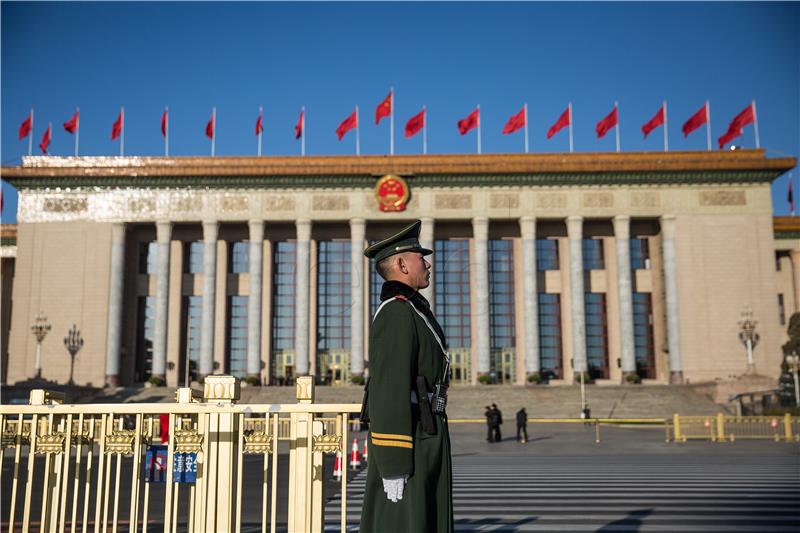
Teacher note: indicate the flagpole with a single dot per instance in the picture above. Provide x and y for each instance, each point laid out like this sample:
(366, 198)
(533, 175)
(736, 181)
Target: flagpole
(755, 124)
(479, 128)
(260, 111)
(666, 142)
(358, 135)
(424, 130)
(526, 127)
(708, 125)
(166, 134)
(616, 108)
(391, 123)
(791, 192)
(77, 130)
(570, 126)
(213, 129)
(30, 137)
(122, 133)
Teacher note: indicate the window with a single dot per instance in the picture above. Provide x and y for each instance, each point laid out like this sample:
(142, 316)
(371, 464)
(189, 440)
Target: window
(193, 306)
(451, 290)
(643, 335)
(147, 257)
(502, 331)
(333, 302)
(284, 259)
(640, 253)
(596, 335)
(546, 254)
(781, 310)
(193, 257)
(550, 354)
(239, 260)
(593, 258)
(145, 335)
(237, 336)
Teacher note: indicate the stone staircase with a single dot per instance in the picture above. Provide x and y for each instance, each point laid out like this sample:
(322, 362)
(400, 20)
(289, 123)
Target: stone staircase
(557, 401)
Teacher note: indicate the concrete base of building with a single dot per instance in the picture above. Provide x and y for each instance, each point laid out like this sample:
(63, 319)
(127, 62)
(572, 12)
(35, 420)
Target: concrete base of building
(676, 377)
(156, 380)
(112, 380)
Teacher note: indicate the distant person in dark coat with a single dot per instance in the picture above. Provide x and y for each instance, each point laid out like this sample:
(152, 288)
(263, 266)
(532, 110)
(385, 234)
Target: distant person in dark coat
(522, 425)
(488, 415)
(495, 419)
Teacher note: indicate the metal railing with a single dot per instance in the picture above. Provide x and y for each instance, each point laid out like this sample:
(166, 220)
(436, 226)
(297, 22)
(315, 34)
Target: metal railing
(72, 462)
(721, 428)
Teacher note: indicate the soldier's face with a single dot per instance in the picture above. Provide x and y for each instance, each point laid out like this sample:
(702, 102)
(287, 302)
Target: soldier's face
(418, 270)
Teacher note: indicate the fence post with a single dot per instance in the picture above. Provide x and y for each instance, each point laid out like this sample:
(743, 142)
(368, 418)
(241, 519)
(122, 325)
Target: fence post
(220, 461)
(787, 427)
(676, 427)
(720, 427)
(300, 461)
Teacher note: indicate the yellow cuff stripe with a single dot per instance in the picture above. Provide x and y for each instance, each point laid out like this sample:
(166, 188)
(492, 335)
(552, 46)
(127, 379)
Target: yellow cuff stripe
(394, 443)
(406, 438)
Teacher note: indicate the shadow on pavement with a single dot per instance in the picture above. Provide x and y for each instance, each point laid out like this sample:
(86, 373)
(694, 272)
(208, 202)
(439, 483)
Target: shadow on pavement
(629, 524)
(507, 526)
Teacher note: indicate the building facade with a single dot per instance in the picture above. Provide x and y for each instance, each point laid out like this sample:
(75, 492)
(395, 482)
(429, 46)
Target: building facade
(545, 265)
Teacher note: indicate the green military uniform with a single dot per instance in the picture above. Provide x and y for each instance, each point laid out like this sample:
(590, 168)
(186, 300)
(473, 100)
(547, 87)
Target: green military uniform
(403, 346)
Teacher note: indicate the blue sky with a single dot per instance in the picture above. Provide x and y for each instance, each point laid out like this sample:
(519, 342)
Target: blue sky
(447, 56)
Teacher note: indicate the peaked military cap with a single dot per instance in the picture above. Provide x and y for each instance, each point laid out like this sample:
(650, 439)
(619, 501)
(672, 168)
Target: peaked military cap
(405, 240)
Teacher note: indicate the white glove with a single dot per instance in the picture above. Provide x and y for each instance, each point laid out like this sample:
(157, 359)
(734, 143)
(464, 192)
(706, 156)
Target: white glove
(393, 486)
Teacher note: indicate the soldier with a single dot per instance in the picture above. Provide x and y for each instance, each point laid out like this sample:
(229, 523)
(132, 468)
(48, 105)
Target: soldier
(409, 476)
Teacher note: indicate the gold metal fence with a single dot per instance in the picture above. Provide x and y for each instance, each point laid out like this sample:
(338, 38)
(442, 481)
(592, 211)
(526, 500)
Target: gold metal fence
(721, 428)
(72, 462)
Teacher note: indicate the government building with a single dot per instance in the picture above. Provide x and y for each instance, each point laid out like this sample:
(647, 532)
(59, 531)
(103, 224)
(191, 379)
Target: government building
(625, 266)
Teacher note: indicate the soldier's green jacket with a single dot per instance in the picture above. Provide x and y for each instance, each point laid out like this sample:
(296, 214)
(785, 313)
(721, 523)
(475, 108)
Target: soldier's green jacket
(401, 348)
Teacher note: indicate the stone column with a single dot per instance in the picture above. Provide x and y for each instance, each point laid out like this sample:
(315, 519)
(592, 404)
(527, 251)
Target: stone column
(577, 297)
(795, 256)
(115, 294)
(210, 231)
(301, 348)
(527, 226)
(671, 297)
(357, 233)
(426, 240)
(254, 299)
(625, 291)
(480, 233)
(163, 237)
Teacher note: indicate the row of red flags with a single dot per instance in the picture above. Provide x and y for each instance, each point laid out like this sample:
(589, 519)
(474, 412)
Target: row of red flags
(416, 123)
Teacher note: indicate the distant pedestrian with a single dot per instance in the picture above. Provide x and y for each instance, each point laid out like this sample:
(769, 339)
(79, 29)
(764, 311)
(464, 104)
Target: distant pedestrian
(488, 415)
(522, 425)
(586, 414)
(496, 418)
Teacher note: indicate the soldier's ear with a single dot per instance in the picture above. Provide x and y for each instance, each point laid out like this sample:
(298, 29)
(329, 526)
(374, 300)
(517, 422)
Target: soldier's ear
(401, 264)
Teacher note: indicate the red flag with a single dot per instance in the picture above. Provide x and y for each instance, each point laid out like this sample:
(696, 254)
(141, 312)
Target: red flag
(608, 122)
(384, 109)
(695, 121)
(25, 128)
(791, 195)
(653, 123)
(469, 123)
(210, 126)
(164, 122)
(563, 121)
(116, 128)
(515, 122)
(748, 116)
(48, 134)
(347, 124)
(298, 129)
(72, 124)
(259, 125)
(415, 124)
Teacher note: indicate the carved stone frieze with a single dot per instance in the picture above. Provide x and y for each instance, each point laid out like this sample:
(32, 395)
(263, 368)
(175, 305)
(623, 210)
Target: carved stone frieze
(330, 202)
(278, 203)
(735, 197)
(453, 201)
(504, 201)
(645, 199)
(598, 199)
(234, 203)
(551, 200)
(65, 205)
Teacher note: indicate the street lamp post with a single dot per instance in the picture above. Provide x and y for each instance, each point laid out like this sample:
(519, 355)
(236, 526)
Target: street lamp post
(73, 343)
(748, 335)
(793, 362)
(39, 328)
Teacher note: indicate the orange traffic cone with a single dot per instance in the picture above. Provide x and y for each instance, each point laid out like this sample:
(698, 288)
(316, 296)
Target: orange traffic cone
(337, 466)
(364, 454)
(354, 461)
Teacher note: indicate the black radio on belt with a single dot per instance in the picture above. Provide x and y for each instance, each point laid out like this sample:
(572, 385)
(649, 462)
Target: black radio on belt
(439, 399)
